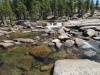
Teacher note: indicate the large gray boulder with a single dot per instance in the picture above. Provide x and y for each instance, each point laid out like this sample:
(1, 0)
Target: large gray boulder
(76, 67)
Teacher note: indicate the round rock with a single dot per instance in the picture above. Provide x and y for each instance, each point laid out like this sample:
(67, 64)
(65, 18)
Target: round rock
(78, 41)
(69, 43)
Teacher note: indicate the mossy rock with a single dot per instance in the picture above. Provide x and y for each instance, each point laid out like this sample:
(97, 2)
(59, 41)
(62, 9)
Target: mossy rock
(35, 71)
(73, 53)
(40, 51)
(46, 67)
(73, 56)
(26, 63)
(58, 55)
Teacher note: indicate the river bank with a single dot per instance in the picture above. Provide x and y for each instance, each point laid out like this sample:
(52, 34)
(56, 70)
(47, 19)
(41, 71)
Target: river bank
(28, 49)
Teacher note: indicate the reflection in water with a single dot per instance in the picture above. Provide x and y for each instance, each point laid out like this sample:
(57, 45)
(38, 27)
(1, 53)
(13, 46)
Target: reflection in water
(91, 45)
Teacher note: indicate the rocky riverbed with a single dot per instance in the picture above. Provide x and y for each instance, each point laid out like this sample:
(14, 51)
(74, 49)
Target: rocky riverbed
(31, 48)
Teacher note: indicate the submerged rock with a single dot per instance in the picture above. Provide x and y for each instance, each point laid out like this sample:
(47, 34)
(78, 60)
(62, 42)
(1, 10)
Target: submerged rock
(76, 67)
(90, 54)
(46, 67)
(58, 55)
(40, 51)
(25, 63)
(3, 72)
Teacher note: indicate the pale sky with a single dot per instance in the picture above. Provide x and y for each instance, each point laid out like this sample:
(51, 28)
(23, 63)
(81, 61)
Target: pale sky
(96, 0)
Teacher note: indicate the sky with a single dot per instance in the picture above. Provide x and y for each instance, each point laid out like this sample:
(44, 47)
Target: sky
(96, 0)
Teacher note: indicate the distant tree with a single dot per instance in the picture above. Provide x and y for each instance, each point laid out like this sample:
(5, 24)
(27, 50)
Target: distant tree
(92, 7)
(2, 13)
(55, 7)
(35, 6)
(71, 8)
(81, 8)
(88, 2)
(62, 7)
(7, 10)
(22, 11)
(97, 3)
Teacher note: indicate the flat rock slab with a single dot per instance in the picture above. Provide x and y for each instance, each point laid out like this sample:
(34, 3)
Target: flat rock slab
(82, 23)
(5, 45)
(91, 27)
(24, 40)
(7, 41)
(76, 67)
(96, 38)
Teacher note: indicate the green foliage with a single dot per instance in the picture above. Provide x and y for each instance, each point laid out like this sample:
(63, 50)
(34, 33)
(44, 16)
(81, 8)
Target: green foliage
(7, 8)
(21, 9)
(97, 3)
(71, 7)
(88, 3)
(81, 7)
(41, 9)
(92, 8)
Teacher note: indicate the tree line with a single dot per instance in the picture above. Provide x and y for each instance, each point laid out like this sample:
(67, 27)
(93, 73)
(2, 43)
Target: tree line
(40, 9)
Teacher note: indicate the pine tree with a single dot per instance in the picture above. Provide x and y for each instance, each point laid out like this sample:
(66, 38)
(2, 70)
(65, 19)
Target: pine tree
(88, 5)
(7, 10)
(97, 4)
(21, 9)
(92, 7)
(55, 7)
(71, 8)
(34, 9)
(81, 8)
(61, 7)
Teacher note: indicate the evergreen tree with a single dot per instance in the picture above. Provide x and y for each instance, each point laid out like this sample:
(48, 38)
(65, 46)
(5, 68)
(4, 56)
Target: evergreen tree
(55, 7)
(22, 10)
(7, 10)
(97, 3)
(92, 7)
(88, 5)
(34, 9)
(40, 9)
(81, 8)
(71, 8)
(2, 13)
(61, 7)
